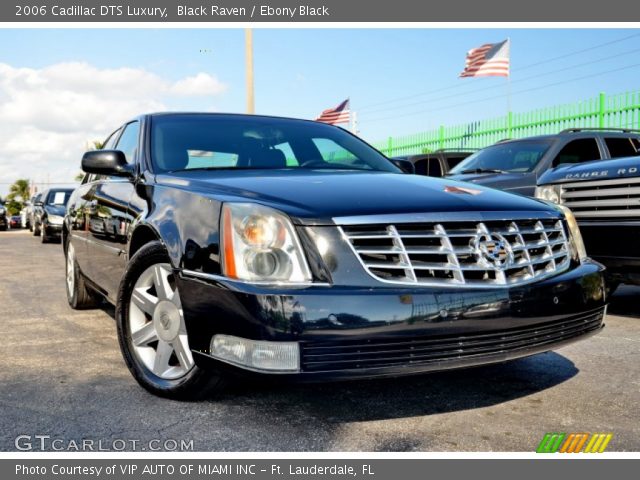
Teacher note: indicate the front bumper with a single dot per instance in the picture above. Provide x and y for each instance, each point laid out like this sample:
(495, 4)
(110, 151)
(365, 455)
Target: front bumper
(389, 331)
(52, 229)
(616, 247)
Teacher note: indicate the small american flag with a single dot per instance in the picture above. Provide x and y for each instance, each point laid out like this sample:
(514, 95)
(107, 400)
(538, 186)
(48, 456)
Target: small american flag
(339, 114)
(489, 60)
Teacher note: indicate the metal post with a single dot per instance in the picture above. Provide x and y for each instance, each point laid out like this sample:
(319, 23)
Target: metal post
(390, 147)
(602, 110)
(248, 36)
(441, 137)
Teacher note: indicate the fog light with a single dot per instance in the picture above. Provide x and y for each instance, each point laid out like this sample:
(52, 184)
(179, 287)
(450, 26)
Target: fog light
(255, 354)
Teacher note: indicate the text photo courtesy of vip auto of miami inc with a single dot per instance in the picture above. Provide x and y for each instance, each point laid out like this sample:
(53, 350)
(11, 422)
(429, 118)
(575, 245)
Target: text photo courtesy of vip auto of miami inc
(320, 240)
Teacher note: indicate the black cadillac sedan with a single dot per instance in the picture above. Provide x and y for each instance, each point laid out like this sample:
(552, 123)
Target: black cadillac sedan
(236, 245)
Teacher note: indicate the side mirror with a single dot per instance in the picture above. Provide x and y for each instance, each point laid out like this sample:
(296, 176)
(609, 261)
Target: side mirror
(106, 162)
(405, 165)
(38, 203)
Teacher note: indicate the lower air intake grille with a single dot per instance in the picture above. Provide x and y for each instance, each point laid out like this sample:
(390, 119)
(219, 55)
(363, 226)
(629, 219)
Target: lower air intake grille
(318, 356)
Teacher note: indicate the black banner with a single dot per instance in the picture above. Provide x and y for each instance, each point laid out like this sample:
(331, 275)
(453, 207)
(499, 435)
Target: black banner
(338, 469)
(316, 11)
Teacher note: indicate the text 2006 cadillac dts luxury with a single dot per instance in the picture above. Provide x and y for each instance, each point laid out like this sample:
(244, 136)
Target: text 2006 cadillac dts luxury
(238, 245)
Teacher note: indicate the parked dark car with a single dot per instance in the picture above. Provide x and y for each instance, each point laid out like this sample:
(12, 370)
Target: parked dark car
(605, 199)
(435, 164)
(31, 210)
(48, 213)
(4, 219)
(251, 245)
(516, 165)
(15, 221)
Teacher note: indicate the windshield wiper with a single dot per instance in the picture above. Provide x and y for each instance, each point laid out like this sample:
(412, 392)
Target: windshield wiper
(482, 170)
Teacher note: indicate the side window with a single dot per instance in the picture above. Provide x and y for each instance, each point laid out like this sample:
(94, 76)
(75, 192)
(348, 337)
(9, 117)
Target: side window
(128, 142)
(622, 147)
(578, 151)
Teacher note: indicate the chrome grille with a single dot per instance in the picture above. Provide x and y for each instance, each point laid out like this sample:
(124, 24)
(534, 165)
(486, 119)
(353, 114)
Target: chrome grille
(446, 253)
(600, 199)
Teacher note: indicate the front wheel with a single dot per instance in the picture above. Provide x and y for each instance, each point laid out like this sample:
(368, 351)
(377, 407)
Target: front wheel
(152, 331)
(79, 295)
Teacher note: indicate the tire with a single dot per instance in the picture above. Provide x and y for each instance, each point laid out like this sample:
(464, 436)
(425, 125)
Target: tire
(160, 359)
(79, 295)
(43, 236)
(36, 230)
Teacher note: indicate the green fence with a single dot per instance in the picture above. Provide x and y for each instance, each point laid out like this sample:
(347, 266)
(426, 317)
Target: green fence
(604, 111)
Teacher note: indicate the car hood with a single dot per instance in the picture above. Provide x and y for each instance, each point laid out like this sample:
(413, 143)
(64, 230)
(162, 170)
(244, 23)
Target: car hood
(315, 197)
(595, 170)
(55, 210)
(502, 181)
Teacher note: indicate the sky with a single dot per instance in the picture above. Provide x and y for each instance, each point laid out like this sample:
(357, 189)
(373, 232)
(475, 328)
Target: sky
(62, 88)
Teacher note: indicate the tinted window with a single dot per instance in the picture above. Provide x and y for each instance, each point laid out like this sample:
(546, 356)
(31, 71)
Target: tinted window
(622, 147)
(257, 142)
(517, 156)
(429, 166)
(578, 151)
(128, 142)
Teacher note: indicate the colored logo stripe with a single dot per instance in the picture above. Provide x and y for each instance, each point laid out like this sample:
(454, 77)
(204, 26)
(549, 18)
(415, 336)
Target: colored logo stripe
(550, 443)
(598, 442)
(574, 442)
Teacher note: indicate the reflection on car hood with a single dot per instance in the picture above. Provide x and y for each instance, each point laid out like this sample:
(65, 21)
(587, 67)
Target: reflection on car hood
(55, 209)
(595, 170)
(494, 180)
(311, 196)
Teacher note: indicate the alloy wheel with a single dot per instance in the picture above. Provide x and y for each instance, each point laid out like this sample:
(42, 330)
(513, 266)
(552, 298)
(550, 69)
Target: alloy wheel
(156, 324)
(71, 271)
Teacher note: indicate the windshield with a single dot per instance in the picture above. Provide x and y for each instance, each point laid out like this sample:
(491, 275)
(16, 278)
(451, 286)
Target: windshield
(58, 197)
(521, 156)
(188, 142)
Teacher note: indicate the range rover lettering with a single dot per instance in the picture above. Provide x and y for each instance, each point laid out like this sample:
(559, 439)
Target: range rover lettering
(605, 199)
(235, 245)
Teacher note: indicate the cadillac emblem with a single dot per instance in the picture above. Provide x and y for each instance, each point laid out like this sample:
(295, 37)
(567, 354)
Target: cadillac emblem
(494, 250)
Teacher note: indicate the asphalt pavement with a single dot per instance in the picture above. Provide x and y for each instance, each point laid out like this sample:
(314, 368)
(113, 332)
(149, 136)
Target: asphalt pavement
(65, 379)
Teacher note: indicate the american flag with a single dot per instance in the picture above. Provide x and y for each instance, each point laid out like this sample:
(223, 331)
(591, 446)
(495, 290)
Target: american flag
(489, 60)
(339, 114)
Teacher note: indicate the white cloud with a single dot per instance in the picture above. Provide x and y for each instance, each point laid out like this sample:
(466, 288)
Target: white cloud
(200, 84)
(48, 114)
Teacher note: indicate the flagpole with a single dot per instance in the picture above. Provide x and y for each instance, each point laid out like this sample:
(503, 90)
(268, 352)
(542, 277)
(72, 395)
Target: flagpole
(509, 91)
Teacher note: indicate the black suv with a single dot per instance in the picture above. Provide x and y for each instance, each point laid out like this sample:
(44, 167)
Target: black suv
(516, 165)
(605, 198)
(48, 213)
(246, 245)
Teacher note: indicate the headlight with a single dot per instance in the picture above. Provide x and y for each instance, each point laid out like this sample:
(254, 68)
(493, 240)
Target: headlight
(550, 193)
(261, 245)
(55, 219)
(574, 231)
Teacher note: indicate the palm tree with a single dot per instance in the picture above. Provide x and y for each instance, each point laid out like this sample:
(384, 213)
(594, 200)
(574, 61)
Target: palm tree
(21, 189)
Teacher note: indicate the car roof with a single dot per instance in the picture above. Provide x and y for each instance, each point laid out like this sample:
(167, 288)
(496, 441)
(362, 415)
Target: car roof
(232, 115)
(578, 133)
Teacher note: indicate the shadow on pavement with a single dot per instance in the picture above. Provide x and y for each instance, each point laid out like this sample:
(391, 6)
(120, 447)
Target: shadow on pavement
(411, 396)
